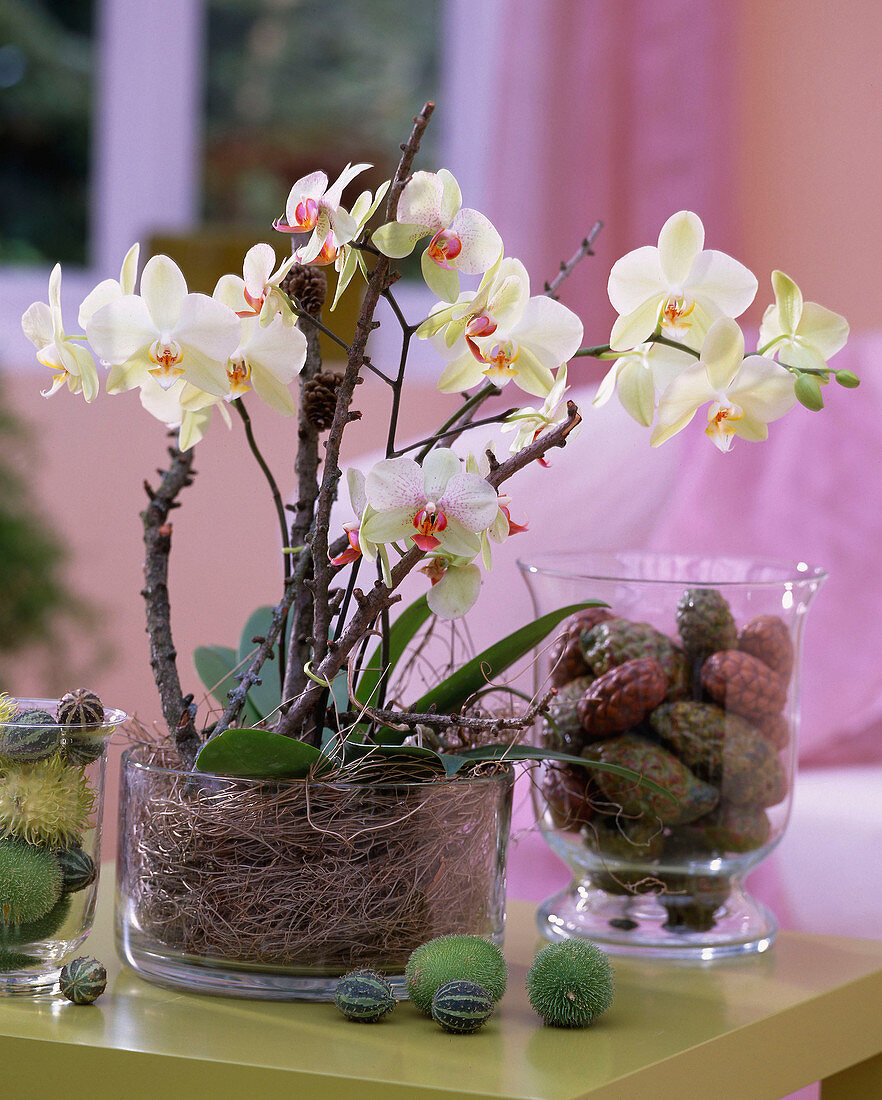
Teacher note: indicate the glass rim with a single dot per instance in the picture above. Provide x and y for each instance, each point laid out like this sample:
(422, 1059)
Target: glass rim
(792, 572)
(113, 718)
(129, 760)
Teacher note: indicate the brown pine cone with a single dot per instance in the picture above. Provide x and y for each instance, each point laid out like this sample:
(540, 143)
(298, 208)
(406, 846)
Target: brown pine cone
(621, 697)
(308, 285)
(567, 662)
(775, 729)
(740, 682)
(320, 399)
(767, 638)
(565, 788)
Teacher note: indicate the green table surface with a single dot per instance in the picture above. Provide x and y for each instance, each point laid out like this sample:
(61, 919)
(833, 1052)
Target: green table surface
(747, 1029)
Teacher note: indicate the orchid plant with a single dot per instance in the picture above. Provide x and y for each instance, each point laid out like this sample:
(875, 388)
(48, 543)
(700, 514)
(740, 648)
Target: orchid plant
(676, 348)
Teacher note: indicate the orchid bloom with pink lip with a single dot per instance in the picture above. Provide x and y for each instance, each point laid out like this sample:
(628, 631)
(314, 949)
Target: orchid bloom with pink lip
(498, 302)
(744, 394)
(524, 344)
(256, 292)
(529, 423)
(73, 365)
(268, 358)
(434, 506)
(462, 240)
(639, 375)
(358, 543)
(677, 287)
(165, 333)
(313, 207)
(348, 259)
(503, 525)
(803, 334)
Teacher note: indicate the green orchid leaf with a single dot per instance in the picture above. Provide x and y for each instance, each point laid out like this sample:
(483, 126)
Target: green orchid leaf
(217, 666)
(400, 635)
(257, 754)
(265, 696)
(533, 752)
(451, 693)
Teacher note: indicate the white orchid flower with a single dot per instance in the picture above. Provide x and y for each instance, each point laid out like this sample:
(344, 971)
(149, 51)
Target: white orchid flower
(529, 423)
(535, 341)
(256, 292)
(802, 334)
(463, 240)
(638, 376)
(268, 358)
(313, 207)
(349, 259)
(434, 506)
(744, 394)
(678, 286)
(503, 525)
(72, 364)
(182, 407)
(111, 289)
(456, 583)
(498, 302)
(165, 333)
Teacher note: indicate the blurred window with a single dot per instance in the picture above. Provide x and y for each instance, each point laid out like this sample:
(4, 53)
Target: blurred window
(46, 88)
(296, 85)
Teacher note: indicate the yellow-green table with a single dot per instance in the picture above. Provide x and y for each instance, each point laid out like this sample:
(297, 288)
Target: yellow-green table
(743, 1029)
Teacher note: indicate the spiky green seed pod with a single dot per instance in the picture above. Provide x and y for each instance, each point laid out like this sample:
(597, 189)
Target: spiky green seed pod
(36, 931)
(30, 882)
(14, 960)
(462, 1007)
(34, 735)
(83, 980)
(705, 623)
(570, 983)
(8, 707)
(364, 995)
(45, 803)
(449, 958)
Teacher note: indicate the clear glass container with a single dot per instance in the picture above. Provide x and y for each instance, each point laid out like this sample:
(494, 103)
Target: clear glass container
(273, 889)
(690, 677)
(51, 798)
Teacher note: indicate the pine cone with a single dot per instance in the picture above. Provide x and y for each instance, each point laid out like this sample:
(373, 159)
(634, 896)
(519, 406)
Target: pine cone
(740, 682)
(320, 399)
(308, 285)
(619, 699)
(565, 788)
(776, 730)
(561, 728)
(567, 662)
(767, 638)
(705, 623)
(616, 641)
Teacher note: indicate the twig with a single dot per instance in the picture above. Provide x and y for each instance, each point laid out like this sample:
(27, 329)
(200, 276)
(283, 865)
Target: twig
(407, 719)
(294, 719)
(566, 269)
(163, 655)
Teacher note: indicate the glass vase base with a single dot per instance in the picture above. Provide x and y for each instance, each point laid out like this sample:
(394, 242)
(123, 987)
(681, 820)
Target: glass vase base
(29, 983)
(641, 925)
(186, 974)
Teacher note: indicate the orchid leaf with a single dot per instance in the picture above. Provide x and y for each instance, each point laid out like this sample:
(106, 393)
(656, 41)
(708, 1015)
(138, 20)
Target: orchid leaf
(265, 696)
(257, 753)
(454, 762)
(450, 694)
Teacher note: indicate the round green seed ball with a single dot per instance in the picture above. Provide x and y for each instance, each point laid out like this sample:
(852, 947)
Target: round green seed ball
(364, 995)
(83, 980)
(451, 958)
(570, 983)
(30, 882)
(462, 1007)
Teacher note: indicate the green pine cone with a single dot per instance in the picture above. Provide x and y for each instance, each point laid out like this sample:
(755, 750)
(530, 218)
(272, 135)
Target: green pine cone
(705, 623)
(561, 728)
(617, 641)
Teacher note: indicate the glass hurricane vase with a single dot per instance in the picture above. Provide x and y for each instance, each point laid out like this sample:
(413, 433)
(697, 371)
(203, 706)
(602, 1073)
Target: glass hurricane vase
(690, 677)
(51, 797)
(273, 889)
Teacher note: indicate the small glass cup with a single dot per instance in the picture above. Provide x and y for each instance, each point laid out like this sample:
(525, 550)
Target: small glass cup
(51, 799)
(690, 677)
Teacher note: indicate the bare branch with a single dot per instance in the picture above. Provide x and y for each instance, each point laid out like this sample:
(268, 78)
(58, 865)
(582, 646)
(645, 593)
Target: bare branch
(566, 269)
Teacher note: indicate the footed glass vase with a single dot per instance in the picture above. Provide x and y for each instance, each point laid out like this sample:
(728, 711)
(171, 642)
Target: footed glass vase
(52, 755)
(688, 676)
